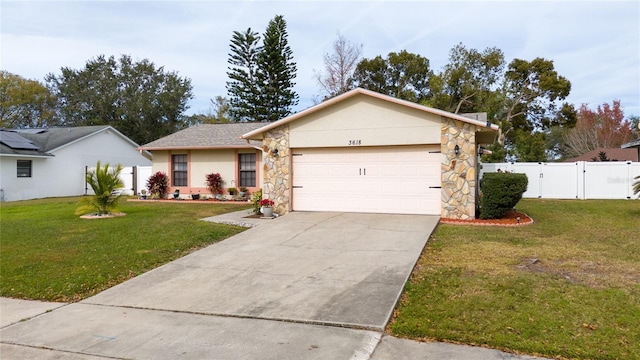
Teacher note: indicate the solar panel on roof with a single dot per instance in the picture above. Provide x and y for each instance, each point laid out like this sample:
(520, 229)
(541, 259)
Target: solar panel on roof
(16, 141)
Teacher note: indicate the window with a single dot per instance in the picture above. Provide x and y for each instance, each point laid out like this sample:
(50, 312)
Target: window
(179, 170)
(247, 170)
(24, 168)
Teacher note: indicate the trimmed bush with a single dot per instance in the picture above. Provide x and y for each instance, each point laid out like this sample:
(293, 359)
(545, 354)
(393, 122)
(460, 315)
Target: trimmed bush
(158, 184)
(215, 183)
(500, 193)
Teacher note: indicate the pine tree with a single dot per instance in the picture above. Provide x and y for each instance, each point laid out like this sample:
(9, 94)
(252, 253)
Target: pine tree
(243, 88)
(276, 71)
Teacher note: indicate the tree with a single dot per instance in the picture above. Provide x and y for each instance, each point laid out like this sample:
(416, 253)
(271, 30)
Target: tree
(141, 101)
(219, 110)
(468, 81)
(25, 103)
(261, 76)
(103, 181)
(402, 75)
(243, 88)
(604, 128)
(339, 67)
(276, 71)
(218, 113)
(532, 91)
(531, 94)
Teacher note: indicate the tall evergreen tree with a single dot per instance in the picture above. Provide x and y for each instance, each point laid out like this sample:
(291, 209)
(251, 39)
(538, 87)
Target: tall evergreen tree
(261, 76)
(243, 88)
(276, 71)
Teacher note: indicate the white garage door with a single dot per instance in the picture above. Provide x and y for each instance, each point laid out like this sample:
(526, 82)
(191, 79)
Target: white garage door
(393, 179)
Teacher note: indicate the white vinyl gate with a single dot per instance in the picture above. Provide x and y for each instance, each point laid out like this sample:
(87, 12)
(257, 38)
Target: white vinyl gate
(575, 180)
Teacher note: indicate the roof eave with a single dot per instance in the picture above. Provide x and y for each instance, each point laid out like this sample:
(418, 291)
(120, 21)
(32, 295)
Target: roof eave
(186, 147)
(38, 156)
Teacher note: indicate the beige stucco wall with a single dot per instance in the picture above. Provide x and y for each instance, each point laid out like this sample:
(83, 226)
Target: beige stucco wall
(202, 162)
(368, 121)
(160, 161)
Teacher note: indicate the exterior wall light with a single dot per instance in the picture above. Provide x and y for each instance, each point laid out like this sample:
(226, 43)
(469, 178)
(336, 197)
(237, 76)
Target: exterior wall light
(275, 152)
(456, 150)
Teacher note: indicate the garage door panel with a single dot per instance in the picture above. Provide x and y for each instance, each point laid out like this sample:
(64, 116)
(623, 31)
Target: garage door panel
(393, 179)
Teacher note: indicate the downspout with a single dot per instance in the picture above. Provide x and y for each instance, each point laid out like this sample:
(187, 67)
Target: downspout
(254, 146)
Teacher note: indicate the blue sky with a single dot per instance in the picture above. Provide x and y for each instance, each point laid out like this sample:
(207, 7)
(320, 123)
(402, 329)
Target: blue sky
(595, 44)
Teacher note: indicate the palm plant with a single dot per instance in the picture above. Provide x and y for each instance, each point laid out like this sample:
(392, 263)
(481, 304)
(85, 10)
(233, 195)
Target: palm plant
(103, 180)
(636, 185)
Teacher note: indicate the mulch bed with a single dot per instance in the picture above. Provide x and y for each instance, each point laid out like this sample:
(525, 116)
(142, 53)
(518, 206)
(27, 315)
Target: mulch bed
(511, 219)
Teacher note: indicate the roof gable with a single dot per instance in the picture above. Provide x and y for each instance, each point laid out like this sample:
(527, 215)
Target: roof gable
(45, 141)
(205, 136)
(359, 91)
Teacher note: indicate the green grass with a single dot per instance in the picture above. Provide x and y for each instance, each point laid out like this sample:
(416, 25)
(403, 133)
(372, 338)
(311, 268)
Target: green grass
(567, 286)
(48, 253)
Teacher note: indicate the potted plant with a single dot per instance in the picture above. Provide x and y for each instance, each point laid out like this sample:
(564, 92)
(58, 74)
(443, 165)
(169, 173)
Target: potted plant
(243, 191)
(195, 196)
(232, 191)
(143, 194)
(176, 194)
(267, 207)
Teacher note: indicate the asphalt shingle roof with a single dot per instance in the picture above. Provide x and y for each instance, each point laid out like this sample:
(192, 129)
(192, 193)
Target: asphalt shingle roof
(206, 136)
(615, 154)
(48, 139)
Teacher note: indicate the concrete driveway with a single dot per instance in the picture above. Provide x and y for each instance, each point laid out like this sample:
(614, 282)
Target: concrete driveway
(305, 270)
(326, 268)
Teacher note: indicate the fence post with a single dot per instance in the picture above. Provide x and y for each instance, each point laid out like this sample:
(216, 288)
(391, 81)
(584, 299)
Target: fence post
(134, 179)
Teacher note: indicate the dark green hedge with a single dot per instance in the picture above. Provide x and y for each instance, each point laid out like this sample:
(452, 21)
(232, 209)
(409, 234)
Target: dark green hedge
(500, 193)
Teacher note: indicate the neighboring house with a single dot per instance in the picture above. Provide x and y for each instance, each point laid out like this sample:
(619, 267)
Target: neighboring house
(613, 154)
(51, 162)
(633, 145)
(367, 152)
(187, 156)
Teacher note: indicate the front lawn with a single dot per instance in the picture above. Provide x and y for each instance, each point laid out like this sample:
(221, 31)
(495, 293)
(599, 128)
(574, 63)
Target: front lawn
(48, 253)
(566, 286)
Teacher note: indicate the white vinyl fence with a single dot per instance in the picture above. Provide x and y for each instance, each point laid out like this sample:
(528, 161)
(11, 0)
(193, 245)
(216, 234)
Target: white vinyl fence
(134, 179)
(575, 180)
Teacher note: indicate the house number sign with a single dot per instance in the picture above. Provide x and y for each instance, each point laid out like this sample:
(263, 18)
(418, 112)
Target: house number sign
(355, 142)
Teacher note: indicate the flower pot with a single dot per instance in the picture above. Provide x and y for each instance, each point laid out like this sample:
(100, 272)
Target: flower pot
(267, 211)
(195, 196)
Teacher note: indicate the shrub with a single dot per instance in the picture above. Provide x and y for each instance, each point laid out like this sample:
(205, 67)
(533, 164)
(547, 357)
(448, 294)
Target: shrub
(256, 198)
(500, 193)
(215, 183)
(103, 182)
(158, 184)
(636, 185)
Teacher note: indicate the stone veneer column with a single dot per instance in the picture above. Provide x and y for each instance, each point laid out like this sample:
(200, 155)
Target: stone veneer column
(458, 172)
(277, 168)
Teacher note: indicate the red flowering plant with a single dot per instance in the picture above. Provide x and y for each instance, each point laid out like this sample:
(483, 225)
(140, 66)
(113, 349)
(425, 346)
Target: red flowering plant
(266, 202)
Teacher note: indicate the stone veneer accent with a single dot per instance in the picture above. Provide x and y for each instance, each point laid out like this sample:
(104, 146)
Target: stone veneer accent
(458, 172)
(277, 168)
